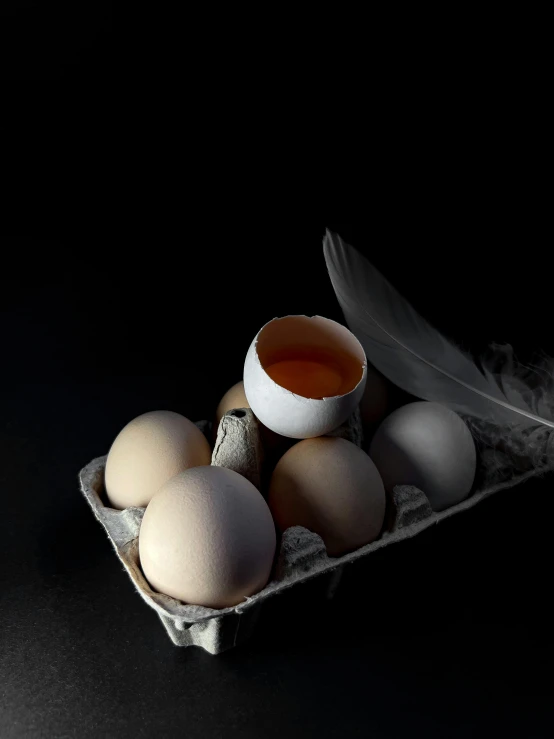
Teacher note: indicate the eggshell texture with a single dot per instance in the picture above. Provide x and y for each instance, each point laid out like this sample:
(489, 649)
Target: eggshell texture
(303, 376)
(148, 452)
(331, 487)
(429, 446)
(233, 398)
(207, 538)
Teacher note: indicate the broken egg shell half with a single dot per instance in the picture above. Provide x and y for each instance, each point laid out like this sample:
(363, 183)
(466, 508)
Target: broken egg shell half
(328, 357)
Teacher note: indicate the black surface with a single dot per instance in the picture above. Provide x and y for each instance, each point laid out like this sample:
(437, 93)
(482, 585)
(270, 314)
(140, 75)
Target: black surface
(458, 621)
(57, 40)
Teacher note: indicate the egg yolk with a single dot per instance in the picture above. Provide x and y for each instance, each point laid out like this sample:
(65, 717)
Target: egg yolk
(306, 378)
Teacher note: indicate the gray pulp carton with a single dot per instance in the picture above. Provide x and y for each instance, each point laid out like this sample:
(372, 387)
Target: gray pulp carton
(301, 554)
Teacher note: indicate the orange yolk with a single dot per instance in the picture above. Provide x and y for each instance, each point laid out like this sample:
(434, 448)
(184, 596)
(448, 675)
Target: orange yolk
(309, 379)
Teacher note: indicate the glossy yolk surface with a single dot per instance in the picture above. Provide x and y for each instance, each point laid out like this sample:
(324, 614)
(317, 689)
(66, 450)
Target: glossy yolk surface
(306, 378)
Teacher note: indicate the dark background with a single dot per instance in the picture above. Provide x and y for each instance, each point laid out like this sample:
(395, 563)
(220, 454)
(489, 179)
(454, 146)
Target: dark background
(56, 40)
(446, 635)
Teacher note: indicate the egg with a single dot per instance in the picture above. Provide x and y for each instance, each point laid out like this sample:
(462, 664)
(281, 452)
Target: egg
(303, 376)
(233, 398)
(330, 486)
(429, 446)
(373, 405)
(207, 538)
(148, 452)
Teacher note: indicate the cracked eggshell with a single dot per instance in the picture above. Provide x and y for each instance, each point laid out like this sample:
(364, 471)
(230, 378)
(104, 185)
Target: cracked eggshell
(333, 359)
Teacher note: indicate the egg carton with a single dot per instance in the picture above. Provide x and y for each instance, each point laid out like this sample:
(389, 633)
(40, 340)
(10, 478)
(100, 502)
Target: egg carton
(301, 556)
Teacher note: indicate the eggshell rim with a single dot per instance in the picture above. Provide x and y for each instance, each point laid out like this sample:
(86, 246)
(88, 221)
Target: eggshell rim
(304, 397)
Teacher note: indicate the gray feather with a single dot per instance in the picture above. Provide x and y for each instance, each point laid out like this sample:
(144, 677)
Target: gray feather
(416, 357)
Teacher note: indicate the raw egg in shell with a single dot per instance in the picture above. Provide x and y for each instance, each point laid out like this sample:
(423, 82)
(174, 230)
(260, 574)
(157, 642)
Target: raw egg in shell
(303, 376)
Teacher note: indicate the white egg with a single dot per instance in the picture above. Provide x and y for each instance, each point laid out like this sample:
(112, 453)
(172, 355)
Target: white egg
(207, 538)
(429, 446)
(303, 376)
(150, 450)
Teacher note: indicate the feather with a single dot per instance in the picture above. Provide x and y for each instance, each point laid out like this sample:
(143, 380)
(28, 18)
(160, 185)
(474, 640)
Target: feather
(509, 407)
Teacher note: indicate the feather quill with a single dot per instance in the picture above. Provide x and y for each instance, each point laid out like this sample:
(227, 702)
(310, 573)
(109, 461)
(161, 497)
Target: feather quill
(509, 407)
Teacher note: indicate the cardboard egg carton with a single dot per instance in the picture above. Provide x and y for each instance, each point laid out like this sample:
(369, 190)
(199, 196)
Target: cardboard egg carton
(301, 553)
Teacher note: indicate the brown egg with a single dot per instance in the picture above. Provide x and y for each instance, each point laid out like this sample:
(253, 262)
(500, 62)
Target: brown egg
(329, 486)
